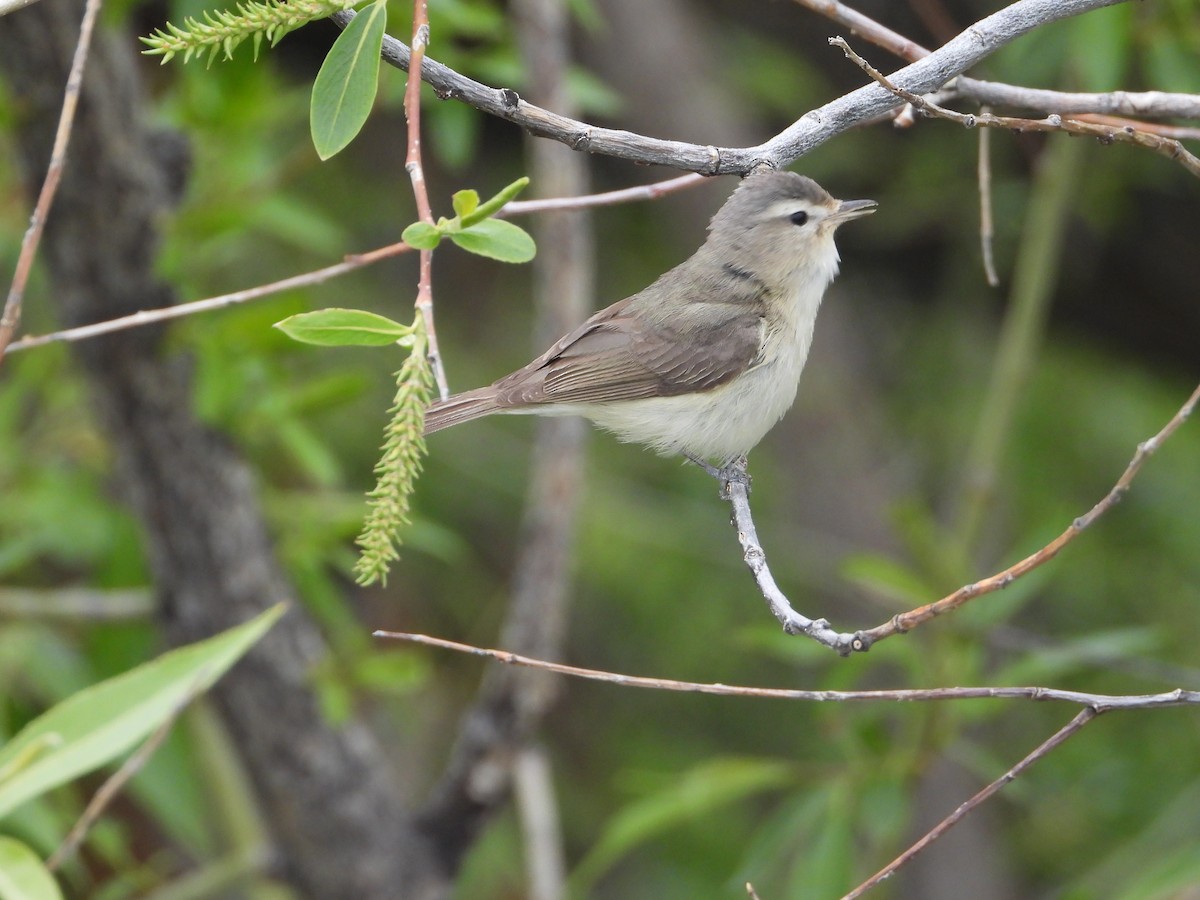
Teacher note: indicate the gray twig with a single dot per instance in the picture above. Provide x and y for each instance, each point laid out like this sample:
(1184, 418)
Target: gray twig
(1106, 134)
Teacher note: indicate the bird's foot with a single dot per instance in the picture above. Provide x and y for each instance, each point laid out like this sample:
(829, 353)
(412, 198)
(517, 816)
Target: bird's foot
(732, 472)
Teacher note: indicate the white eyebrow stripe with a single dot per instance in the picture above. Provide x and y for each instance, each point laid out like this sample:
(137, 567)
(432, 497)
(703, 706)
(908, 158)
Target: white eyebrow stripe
(784, 208)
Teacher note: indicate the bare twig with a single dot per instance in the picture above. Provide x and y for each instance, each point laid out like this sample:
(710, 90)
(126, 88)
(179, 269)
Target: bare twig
(1176, 132)
(1143, 104)
(1105, 134)
(820, 631)
(152, 316)
(986, 230)
(608, 198)
(1099, 702)
(11, 316)
(416, 174)
(1076, 724)
(738, 494)
(814, 128)
(1139, 105)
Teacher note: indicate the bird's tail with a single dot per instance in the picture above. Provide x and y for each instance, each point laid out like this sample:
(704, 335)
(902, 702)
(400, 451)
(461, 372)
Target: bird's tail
(460, 408)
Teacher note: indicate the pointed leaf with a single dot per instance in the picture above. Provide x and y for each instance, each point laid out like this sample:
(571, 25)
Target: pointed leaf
(345, 87)
(497, 239)
(23, 876)
(343, 328)
(105, 720)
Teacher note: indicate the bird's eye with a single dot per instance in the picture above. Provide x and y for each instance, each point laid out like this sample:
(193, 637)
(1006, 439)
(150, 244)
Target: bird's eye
(799, 217)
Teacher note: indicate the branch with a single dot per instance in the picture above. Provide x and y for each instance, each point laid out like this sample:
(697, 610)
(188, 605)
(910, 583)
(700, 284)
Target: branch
(1171, 149)
(1098, 702)
(1146, 104)
(178, 311)
(814, 128)
(416, 174)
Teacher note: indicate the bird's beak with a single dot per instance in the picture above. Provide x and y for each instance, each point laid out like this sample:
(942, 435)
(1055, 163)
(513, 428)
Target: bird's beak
(851, 209)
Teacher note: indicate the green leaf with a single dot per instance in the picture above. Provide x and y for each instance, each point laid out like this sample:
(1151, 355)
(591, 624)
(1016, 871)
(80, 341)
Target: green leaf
(345, 87)
(493, 206)
(421, 236)
(22, 874)
(344, 328)
(105, 720)
(497, 239)
(465, 202)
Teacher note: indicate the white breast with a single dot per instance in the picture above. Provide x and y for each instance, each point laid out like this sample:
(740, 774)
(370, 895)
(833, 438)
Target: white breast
(728, 421)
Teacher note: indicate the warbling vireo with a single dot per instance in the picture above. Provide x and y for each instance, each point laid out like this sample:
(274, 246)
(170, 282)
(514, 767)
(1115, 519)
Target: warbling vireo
(707, 359)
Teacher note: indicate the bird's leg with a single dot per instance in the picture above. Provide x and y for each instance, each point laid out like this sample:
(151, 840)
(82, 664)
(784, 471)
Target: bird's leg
(732, 472)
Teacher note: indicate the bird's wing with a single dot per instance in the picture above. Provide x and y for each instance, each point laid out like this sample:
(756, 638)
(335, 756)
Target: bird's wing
(617, 355)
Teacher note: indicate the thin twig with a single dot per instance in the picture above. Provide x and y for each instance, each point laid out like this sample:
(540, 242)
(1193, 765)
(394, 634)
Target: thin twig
(986, 228)
(1076, 724)
(1171, 149)
(1176, 132)
(737, 492)
(1099, 702)
(416, 174)
(1134, 104)
(11, 316)
(152, 316)
(608, 198)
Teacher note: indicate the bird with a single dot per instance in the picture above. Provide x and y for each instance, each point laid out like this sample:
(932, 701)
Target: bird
(706, 360)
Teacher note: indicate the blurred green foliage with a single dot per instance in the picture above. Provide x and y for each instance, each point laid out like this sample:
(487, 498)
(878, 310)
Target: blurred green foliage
(668, 795)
